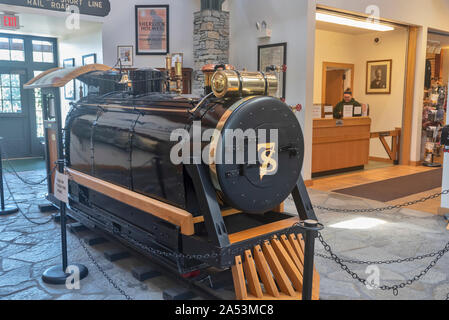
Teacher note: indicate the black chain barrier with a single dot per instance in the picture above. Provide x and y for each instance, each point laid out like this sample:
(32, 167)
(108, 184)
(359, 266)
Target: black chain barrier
(11, 194)
(394, 288)
(25, 181)
(100, 268)
(382, 209)
(207, 256)
(13, 171)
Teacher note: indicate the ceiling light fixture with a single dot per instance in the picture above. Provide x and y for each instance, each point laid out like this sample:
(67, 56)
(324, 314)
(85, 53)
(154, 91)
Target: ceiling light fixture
(352, 22)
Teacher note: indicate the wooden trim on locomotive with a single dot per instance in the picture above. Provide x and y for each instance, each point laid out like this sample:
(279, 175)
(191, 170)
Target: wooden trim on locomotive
(164, 211)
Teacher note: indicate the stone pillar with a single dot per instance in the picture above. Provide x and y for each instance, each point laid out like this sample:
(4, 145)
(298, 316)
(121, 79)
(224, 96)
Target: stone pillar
(210, 43)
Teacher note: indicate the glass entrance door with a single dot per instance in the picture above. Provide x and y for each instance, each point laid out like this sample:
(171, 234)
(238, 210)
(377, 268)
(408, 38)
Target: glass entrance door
(14, 114)
(21, 59)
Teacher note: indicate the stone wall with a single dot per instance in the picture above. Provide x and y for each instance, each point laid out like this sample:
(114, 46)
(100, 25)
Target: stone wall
(210, 42)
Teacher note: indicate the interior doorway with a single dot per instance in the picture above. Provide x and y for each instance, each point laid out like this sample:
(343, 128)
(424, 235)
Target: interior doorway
(337, 77)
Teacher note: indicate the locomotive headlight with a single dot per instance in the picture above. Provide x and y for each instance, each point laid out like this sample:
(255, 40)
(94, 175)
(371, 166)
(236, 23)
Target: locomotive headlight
(219, 84)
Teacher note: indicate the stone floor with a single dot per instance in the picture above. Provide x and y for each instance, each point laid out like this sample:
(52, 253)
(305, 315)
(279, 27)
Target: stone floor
(26, 250)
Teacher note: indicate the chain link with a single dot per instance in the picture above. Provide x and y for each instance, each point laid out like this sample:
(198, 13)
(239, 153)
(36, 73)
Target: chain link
(25, 181)
(206, 256)
(16, 203)
(4, 157)
(100, 268)
(382, 209)
(385, 262)
(394, 288)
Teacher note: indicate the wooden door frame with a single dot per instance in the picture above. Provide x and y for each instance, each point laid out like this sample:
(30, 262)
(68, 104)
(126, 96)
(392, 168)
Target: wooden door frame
(324, 77)
(407, 123)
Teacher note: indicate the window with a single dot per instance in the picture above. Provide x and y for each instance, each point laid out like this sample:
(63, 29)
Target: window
(10, 93)
(43, 51)
(38, 107)
(12, 49)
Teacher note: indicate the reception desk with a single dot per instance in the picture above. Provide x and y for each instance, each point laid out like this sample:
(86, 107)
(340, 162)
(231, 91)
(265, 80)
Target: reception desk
(340, 144)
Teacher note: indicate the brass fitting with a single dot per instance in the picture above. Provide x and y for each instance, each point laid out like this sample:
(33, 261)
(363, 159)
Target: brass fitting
(230, 83)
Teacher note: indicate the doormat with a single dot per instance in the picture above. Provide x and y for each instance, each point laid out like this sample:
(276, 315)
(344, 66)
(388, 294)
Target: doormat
(396, 188)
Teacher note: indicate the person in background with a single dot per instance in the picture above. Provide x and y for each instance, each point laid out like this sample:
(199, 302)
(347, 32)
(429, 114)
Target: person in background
(347, 100)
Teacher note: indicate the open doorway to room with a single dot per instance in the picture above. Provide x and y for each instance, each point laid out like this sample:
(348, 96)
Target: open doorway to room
(371, 66)
(359, 107)
(337, 77)
(435, 98)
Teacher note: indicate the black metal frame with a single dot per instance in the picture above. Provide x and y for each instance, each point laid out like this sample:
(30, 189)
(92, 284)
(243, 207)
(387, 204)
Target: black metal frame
(221, 253)
(167, 7)
(70, 62)
(284, 45)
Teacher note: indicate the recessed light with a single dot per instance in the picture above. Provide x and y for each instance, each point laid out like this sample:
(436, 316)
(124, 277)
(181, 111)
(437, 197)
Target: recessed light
(352, 22)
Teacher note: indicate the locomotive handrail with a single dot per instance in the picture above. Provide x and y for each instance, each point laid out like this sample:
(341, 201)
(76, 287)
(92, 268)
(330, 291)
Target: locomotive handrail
(164, 211)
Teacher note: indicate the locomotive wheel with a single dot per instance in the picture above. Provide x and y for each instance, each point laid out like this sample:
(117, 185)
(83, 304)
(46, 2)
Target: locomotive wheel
(278, 265)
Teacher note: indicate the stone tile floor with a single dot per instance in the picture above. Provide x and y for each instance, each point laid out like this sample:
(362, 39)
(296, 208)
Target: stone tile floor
(26, 250)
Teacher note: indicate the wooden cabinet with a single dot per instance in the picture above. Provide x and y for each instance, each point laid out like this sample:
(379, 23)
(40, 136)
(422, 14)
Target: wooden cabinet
(340, 144)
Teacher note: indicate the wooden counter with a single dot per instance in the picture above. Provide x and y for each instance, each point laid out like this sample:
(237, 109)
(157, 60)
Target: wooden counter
(340, 144)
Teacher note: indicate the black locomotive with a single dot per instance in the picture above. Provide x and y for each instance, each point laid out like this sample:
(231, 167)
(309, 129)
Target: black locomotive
(118, 146)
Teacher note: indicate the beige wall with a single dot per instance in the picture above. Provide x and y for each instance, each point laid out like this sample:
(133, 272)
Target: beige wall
(385, 110)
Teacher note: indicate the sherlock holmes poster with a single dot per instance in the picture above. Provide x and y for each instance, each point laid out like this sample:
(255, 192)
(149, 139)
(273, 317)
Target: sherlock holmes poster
(152, 30)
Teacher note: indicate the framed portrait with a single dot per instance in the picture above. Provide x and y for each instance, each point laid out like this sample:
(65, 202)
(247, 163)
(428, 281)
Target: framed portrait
(152, 30)
(126, 55)
(378, 77)
(274, 55)
(177, 57)
(69, 88)
(89, 59)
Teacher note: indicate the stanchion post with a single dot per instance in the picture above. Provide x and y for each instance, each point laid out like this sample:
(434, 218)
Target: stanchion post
(309, 253)
(58, 275)
(4, 209)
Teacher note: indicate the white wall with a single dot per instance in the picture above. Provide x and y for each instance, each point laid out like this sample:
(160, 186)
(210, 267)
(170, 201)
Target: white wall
(331, 47)
(386, 109)
(292, 22)
(76, 45)
(119, 29)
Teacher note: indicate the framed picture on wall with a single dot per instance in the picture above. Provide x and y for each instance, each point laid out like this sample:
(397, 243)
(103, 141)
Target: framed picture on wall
(69, 88)
(152, 30)
(378, 77)
(89, 59)
(274, 55)
(126, 55)
(177, 57)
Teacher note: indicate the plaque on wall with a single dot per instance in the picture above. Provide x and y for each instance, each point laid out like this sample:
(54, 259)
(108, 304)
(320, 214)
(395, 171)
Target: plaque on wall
(69, 88)
(274, 55)
(152, 30)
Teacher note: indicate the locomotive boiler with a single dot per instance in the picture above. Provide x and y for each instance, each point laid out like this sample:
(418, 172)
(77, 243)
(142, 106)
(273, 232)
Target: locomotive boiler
(204, 211)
